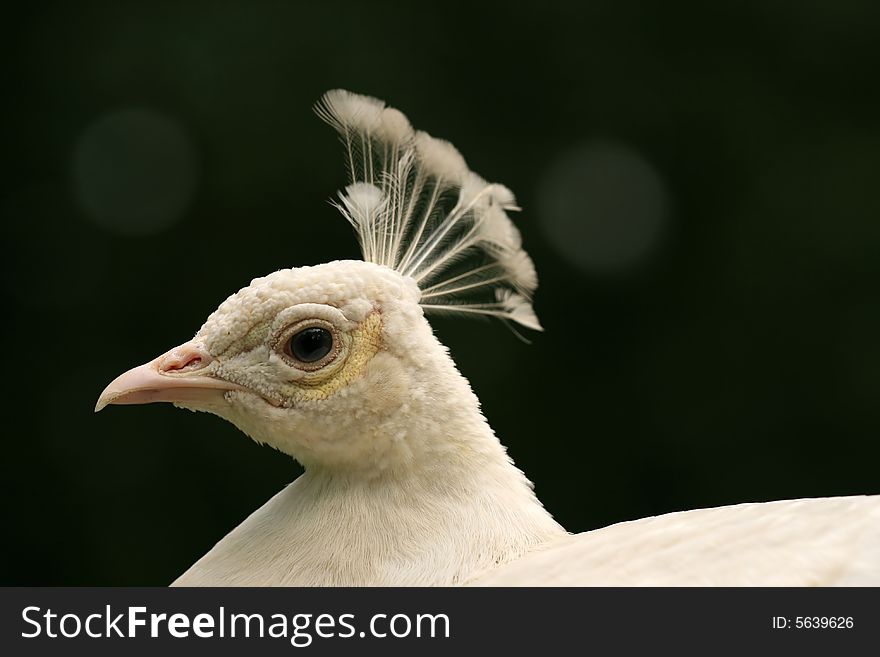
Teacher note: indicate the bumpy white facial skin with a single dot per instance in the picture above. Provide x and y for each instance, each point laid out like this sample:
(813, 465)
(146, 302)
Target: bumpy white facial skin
(319, 417)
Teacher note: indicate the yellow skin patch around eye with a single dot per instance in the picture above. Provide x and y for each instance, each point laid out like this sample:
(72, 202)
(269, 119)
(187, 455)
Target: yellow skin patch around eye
(361, 344)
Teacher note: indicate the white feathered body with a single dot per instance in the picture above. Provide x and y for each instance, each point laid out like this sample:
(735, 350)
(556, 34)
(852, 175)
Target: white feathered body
(808, 542)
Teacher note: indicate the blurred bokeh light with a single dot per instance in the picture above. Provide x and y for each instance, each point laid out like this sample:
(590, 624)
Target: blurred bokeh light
(134, 171)
(603, 207)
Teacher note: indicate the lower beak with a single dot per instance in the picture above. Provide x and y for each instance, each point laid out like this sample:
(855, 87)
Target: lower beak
(177, 376)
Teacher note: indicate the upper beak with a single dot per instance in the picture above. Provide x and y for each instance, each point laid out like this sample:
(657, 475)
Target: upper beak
(176, 376)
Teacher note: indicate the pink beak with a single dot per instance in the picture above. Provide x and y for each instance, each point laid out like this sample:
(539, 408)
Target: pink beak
(176, 376)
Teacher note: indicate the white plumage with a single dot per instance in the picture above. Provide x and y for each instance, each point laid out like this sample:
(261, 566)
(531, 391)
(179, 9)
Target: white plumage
(812, 542)
(419, 210)
(405, 482)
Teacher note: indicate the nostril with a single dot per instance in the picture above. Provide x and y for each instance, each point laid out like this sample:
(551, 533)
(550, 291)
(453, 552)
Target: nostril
(183, 360)
(192, 363)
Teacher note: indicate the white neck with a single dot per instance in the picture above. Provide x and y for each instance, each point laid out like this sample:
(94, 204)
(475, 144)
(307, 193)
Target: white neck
(458, 507)
(437, 528)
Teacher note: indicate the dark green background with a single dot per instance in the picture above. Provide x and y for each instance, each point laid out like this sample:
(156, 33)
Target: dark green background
(740, 361)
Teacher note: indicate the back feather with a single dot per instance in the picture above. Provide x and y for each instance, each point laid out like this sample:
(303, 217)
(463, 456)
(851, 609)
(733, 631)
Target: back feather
(418, 209)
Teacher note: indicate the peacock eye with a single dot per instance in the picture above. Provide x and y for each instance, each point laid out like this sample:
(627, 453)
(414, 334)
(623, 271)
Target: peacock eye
(311, 345)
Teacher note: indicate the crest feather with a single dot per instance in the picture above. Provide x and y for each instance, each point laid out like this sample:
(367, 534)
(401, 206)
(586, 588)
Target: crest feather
(417, 208)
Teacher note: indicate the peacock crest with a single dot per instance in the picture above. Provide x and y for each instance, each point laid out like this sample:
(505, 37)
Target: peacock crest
(418, 209)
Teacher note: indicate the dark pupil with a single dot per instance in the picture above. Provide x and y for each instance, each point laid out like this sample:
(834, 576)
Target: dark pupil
(311, 344)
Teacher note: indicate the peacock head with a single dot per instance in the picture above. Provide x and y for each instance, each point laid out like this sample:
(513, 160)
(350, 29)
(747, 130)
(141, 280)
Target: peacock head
(304, 359)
